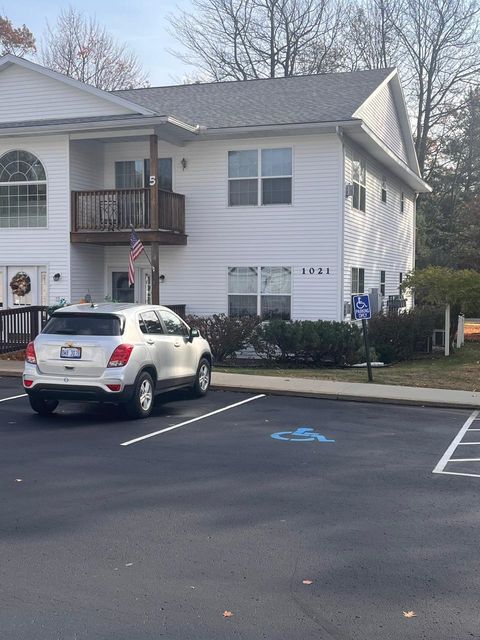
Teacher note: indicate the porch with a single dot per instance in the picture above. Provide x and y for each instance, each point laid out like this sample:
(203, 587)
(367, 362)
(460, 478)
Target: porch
(107, 216)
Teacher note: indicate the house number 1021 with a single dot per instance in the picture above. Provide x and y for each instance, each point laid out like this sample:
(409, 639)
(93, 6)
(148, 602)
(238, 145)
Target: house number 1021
(315, 271)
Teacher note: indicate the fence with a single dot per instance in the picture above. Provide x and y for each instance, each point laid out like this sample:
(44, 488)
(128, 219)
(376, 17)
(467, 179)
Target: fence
(19, 326)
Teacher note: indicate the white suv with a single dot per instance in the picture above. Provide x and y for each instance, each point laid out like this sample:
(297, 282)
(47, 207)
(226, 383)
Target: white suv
(121, 353)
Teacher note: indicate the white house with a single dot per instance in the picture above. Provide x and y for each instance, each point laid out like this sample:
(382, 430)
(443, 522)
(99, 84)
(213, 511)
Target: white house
(279, 196)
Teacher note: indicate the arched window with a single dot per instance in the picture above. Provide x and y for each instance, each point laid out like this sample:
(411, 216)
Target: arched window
(23, 190)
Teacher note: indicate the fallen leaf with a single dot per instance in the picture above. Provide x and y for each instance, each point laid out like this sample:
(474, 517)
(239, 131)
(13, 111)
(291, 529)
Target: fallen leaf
(307, 581)
(409, 614)
(129, 564)
(18, 480)
(227, 614)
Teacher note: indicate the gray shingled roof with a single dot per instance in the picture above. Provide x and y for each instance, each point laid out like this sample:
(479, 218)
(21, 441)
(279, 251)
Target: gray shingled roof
(319, 98)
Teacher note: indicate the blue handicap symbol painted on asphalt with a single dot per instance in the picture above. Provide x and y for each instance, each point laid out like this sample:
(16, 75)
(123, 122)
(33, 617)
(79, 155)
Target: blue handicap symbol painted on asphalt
(302, 434)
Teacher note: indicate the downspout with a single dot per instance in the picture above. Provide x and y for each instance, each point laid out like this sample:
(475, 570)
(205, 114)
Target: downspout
(341, 235)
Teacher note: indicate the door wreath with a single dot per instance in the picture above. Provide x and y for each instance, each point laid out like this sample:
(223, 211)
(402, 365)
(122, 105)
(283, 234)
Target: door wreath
(20, 284)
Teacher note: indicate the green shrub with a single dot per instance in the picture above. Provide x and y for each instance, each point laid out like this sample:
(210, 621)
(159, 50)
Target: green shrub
(307, 342)
(225, 334)
(396, 337)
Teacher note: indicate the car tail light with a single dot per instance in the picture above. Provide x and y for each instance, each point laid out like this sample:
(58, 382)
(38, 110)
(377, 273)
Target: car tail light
(30, 355)
(27, 383)
(114, 387)
(120, 356)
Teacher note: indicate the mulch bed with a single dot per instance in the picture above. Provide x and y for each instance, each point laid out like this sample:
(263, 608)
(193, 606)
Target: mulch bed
(16, 355)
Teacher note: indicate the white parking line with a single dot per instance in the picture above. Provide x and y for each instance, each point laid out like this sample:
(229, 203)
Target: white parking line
(182, 424)
(23, 395)
(447, 456)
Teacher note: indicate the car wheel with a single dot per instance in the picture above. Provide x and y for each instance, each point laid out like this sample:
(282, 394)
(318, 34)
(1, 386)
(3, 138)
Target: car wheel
(42, 406)
(202, 380)
(141, 405)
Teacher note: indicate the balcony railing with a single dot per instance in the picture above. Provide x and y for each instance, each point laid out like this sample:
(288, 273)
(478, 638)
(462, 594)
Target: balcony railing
(120, 209)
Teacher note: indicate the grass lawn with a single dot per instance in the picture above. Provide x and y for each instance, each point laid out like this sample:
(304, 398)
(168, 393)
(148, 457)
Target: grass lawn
(459, 371)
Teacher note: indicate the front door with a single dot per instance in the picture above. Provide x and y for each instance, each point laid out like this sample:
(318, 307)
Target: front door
(25, 286)
(121, 290)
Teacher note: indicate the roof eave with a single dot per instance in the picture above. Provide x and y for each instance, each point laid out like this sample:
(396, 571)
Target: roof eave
(272, 129)
(364, 136)
(183, 130)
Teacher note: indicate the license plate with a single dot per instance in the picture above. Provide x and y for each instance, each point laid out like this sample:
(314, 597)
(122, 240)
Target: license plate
(72, 353)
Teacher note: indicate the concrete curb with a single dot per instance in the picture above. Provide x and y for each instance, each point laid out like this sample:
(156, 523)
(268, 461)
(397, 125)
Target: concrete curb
(252, 384)
(348, 397)
(9, 374)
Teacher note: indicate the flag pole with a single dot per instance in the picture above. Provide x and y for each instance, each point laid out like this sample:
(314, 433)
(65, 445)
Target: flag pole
(143, 249)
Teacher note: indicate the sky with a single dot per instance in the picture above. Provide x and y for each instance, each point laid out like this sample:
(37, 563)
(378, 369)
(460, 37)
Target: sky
(141, 24)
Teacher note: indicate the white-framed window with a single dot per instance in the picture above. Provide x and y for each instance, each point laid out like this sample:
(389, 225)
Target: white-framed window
(382, 283)
(260, 176)
(359, 179)
(23, 190)
(402, 202)
(262, 291)
(384, 189)
(358, 280)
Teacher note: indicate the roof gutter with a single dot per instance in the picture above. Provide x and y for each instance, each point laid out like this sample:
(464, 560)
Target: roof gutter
(302, 126)
(423, 187)
(71, 127)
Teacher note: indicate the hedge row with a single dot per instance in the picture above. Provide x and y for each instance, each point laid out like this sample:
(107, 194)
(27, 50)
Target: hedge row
(314, 343)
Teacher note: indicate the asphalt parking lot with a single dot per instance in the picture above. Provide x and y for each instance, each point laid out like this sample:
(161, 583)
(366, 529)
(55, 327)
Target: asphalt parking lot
(104, 540)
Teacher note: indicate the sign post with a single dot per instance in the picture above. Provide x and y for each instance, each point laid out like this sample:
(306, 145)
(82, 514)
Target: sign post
(361, 310)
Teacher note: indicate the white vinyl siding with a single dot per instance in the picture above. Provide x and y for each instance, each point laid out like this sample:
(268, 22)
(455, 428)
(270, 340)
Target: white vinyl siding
(383, 238)
(303, 235)
(48, 246)
(380, 114)
(28, 95)
(88, 272)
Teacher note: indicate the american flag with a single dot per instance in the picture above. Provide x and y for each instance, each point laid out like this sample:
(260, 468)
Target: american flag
(136, 248)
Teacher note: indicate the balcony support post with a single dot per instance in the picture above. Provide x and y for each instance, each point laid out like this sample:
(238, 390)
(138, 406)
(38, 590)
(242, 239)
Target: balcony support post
(154, 217)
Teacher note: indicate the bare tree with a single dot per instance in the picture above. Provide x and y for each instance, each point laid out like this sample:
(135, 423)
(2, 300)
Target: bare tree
(440, 39)
(436, 45)
(244, 39)
(371, 34)
(83, 49)
(17, 40)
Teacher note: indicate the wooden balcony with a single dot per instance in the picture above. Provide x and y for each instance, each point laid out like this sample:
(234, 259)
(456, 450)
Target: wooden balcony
(106, 217)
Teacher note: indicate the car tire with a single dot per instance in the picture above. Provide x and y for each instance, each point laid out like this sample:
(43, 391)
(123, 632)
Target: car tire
(202, 379)
(141, 405)
(43, 406)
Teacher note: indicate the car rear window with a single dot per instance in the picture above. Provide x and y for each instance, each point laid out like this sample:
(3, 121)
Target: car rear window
(83, 325)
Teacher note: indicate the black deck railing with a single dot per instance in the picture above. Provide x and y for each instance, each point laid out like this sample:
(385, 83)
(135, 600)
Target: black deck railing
(19, 326)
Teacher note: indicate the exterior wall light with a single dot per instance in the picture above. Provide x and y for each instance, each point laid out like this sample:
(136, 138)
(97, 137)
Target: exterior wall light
(57, 277)
(348, 190)
(183, 162)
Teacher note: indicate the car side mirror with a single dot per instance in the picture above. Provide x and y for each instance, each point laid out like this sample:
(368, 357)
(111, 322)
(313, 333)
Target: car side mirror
(194, 333)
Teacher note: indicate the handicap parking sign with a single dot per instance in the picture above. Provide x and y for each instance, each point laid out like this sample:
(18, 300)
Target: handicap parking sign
(361, 306)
